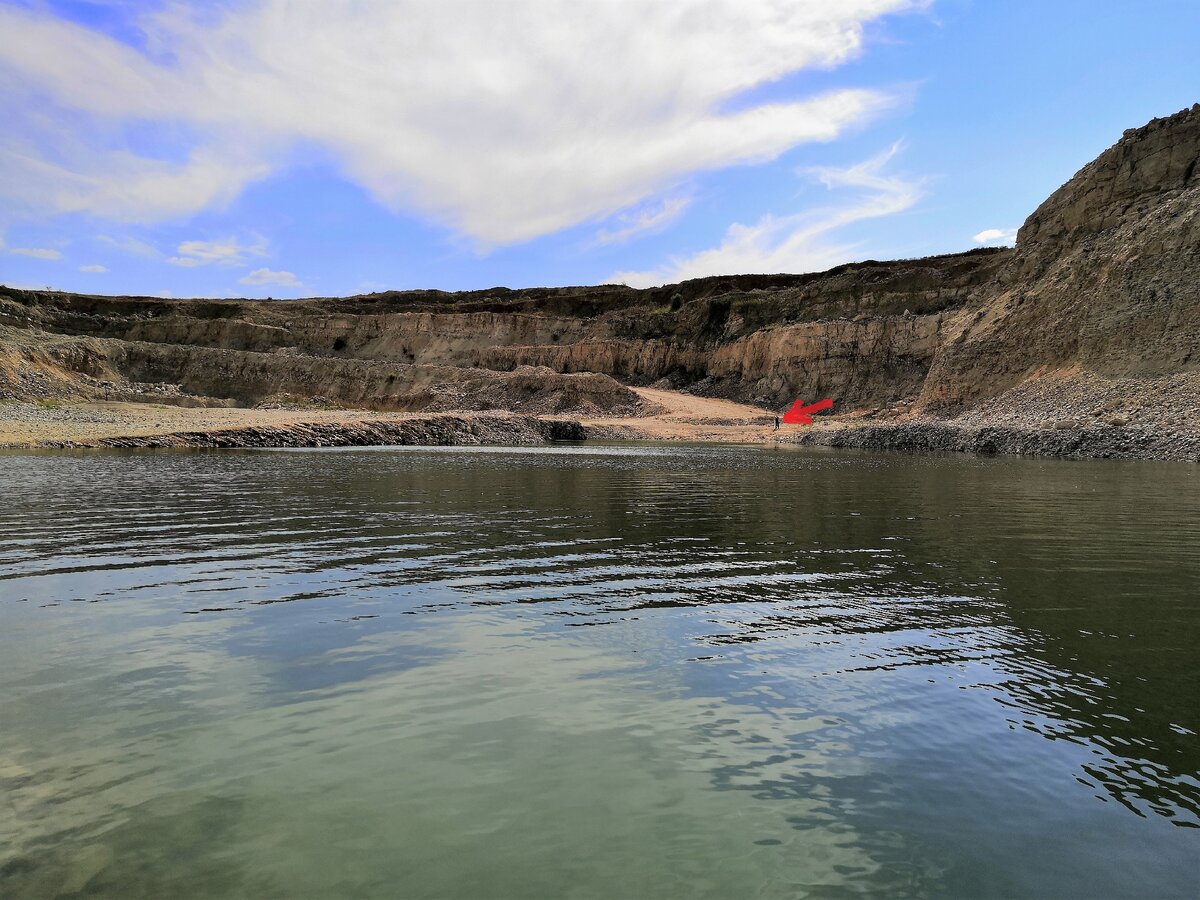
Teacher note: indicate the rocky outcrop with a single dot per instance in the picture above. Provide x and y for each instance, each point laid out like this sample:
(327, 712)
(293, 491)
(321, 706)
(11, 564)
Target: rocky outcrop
(1105, 278)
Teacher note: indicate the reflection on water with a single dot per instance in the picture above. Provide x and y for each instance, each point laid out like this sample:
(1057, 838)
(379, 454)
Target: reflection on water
(597, 672)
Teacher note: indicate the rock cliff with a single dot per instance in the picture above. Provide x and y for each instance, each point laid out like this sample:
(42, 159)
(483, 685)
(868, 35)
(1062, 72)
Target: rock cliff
(1105, 278)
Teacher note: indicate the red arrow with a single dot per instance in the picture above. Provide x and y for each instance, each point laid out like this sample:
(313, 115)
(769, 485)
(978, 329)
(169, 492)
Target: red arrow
(799, 413)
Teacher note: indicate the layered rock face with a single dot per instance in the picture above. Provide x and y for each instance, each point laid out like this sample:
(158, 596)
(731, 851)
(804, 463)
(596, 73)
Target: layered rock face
(1099, 294)
(865, 332)
(188, 374)
(1105, 278)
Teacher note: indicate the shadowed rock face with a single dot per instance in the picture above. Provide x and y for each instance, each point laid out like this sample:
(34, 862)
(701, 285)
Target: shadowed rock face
(1149, 165)
(1102, 285)
(1105, 278)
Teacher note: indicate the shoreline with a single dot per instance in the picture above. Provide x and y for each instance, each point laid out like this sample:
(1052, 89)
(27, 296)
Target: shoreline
(435, 431)
(683, 417)
(90, 426)
(1139, 442)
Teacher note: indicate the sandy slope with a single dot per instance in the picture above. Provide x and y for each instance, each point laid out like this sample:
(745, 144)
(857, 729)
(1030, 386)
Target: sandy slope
(689, 418)
(682, 406)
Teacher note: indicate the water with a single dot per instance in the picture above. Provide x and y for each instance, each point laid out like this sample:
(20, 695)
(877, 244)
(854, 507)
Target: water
(597, 672)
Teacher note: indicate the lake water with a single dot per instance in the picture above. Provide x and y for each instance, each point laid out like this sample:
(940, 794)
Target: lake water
(597, 672)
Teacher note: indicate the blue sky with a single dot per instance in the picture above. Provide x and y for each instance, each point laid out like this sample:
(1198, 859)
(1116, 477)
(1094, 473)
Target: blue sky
(281, 148)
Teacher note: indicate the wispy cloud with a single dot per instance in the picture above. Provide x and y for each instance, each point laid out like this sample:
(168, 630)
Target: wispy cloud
(36, 252)
(996, 236)
(799, 242)
(644, 221)
(95, 269)
(51, 163)
(504, 120)
(267, 276)
(130, 245)
(227, 252)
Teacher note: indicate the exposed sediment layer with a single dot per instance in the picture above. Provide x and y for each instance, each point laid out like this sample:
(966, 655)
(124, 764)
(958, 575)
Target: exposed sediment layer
(866, 333)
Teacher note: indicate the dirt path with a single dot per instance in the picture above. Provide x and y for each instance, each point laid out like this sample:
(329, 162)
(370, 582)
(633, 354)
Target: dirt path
(686, 417)
(688, 405)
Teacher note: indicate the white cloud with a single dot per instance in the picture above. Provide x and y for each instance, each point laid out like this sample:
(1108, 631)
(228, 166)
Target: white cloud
(47, 165)
(228, 252)
(130, 245)
(996, 236)
(267, 276)
(93, 268)
(504, 120)
(797, 242)
(36, 252)
(644, 221)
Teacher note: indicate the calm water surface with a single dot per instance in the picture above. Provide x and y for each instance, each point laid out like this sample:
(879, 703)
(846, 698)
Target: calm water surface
(599, 672)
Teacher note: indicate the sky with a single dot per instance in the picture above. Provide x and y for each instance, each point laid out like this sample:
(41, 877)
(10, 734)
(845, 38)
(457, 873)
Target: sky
(284, 148)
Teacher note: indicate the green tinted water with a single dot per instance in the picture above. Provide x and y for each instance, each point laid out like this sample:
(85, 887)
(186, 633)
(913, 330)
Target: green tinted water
(597, 672)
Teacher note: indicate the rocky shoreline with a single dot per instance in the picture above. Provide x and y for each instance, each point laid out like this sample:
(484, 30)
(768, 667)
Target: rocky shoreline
(433, 431)
(1135, 442)
(692, 419)
(1092, 442)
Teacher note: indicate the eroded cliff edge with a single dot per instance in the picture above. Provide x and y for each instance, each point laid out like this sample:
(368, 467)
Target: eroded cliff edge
(1092, 322)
